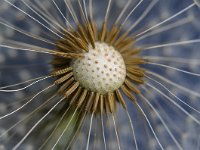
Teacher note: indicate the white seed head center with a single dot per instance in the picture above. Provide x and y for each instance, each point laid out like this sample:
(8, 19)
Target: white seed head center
(101, 70)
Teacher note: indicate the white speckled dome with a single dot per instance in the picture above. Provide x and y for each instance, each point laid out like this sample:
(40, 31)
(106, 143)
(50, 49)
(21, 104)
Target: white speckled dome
(101, 70)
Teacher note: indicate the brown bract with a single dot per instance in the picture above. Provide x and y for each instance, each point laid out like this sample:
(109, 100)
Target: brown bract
(75, 44)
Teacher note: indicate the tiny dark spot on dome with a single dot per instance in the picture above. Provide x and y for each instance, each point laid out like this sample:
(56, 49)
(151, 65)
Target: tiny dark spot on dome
(105, 66)
(98, 68)
(96, 62)
(110, 69)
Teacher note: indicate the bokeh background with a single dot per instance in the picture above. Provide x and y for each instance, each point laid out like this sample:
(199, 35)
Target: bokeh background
(18, 66)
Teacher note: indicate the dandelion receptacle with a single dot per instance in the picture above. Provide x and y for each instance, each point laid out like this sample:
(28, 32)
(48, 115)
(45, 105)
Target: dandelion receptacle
(90, 74)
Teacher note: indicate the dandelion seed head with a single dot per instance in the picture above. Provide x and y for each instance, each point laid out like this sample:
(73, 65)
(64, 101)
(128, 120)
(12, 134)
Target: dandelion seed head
(89, 78)
(101, 70)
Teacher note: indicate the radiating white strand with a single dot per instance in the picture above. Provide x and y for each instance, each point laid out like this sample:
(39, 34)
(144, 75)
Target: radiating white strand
(62, 14)
(173, 68)
(95, 139)
(173, 44)
(108, 9)
(13, 85)
(123, 11)
(77, 131)
(132, 128)
(150, 127)
(16, 110)
(168, 19)
(65, 129)
(127, 17)
(177, 105)
(42, 8)
(25, 32)
(163, 122)
(38, 122)
(56, 127)
(90, 9)
(174, 84)
(41, 17)
(186, 104)
(88, 139)
(48, 16)
(160, 30)
(166, 115)
(82, 11)
(71, 11)
(116, 132)
(27, 116)
(33, 18)
(103, 133)
(43, 51)
(147, 10)
(20, 44)
(85, 10)
(173, 60)
(20, 89)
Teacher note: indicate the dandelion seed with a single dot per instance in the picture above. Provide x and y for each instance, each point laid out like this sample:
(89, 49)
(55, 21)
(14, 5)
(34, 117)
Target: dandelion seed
(105, 75)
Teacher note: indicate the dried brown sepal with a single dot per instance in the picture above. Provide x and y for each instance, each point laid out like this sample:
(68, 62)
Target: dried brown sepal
(89, 102)
(82, 98)
(95, 103)
(102, 34)
(137, 71)
(131, 86)
(120, 98)
(76, 95)
(135, 61)
(71, 89)
(135, 79)
(63, 87)
(64, 78)
(128, 93)
(61, 71)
